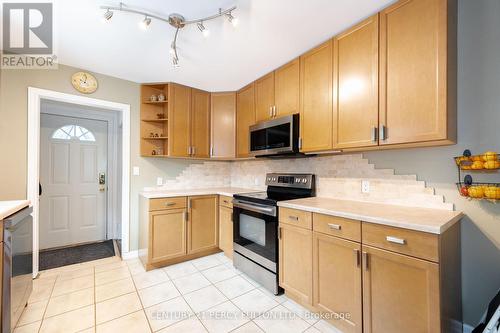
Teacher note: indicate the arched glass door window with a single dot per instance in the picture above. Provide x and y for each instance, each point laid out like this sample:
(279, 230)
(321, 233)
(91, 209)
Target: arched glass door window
(69, 132)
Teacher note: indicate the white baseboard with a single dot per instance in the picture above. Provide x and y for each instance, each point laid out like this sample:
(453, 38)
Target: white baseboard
(467, 328)
(130, 255)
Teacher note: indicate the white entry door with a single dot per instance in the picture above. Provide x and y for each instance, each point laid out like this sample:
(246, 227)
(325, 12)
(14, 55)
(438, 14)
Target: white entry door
(73, 166)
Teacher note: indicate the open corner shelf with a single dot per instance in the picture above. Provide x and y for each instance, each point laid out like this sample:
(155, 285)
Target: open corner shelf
(488, 162)
(154, 120)
(155, 102)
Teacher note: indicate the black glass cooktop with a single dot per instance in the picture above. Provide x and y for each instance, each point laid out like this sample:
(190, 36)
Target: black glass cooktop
(272, 196)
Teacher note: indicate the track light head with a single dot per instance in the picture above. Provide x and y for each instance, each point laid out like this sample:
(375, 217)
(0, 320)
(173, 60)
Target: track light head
(203, 29)
(144, 24)
(107, 15)
(233, 20)
(175, 61)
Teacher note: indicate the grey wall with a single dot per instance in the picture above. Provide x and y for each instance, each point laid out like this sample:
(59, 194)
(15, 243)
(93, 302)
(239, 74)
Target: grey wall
(478, 130)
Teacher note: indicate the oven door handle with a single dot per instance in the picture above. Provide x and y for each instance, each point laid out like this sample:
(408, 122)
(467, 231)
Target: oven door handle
(267, 210)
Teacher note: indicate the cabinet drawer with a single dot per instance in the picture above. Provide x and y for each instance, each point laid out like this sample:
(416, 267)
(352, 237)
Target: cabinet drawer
(226, 201)
(414, 243)
(337, 226)
(167, 203)
(296, 217)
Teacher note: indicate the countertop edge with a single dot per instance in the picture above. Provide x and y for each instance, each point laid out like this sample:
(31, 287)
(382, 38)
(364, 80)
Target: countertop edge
(13, 207)
(193, 192)
(375, 220)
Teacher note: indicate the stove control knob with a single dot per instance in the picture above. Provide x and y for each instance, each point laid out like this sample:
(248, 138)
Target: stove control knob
(304, 180)
(297, 180)
(274, 179)
(268, 179)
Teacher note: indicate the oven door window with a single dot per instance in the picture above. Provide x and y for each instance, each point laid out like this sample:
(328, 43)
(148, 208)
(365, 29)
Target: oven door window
(256, 232)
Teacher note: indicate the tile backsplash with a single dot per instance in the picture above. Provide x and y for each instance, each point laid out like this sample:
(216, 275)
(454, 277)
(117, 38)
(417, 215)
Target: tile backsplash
(338, 176)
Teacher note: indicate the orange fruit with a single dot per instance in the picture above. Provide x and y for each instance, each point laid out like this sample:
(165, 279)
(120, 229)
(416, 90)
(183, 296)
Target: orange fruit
(490, 156)
(491, 164)
(477, 165)
(476, 192)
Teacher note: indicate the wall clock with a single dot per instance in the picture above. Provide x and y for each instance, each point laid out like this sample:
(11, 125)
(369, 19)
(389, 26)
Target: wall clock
(84, 82)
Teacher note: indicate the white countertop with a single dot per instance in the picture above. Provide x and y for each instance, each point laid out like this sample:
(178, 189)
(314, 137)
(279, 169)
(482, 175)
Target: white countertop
(227, 191)
(434, 221)
(8, 208)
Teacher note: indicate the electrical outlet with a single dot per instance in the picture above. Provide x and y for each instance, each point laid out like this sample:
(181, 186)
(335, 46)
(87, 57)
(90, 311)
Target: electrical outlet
(365, 186)
(136, 171)
(159, 181)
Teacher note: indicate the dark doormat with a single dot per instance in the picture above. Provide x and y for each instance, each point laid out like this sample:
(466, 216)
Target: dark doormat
(75, 255)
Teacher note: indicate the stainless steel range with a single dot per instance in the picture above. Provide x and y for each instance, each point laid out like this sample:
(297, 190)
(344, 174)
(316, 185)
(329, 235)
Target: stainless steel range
(255, 231)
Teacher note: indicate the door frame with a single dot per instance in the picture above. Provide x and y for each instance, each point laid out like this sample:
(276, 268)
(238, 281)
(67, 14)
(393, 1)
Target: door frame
(113, 125)
(35, 96)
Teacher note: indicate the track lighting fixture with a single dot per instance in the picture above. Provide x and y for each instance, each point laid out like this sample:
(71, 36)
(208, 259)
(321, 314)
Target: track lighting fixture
(107, 15)
(175, 20)
(203, 29)
(144, 24)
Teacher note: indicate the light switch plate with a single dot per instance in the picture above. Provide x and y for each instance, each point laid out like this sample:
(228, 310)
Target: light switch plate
(365, 186)
(159, 181)
(136, 171)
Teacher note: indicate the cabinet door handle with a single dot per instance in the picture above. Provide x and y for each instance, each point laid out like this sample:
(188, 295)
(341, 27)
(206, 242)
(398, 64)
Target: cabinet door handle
(357, 257)
(300, 143)
(383, 132)
(211, 151)
(396, 240)
(186, 216)
(169, 204)
(335, 226)
(279, 232)
(365, 261)
(189, 150)
(270, 111)
(374, 134)
(274, 111)
(295, 218)
(193, 150)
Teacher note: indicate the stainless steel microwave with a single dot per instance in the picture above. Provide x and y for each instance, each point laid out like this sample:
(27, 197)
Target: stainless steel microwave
(278, 136)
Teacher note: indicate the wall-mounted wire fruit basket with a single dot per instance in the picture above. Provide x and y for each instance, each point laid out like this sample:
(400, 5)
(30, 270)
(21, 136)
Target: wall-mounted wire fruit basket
(488, 161)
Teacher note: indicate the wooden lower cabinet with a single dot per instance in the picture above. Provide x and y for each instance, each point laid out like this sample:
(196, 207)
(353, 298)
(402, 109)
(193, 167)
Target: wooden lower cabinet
(400, 293)
(226, 230)
(203, 229)
(295, 262)
(337, 281)
(168, 234)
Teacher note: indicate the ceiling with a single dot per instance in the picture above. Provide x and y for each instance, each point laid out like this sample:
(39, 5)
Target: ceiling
(269, 34)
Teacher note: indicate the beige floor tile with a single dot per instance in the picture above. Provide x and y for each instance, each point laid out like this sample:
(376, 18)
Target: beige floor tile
(41, 290)
(313, 329)
(88, 330)
(33, 312)
(191, 283)
(75, 273)
(69, 322)
(206, 262)
(69, 286)
(180, 270)
(280, 319)
(114, 289)
(205, 298)
(69, 302)
(223, 318)
(30, 328)
(191, 325)
(44, 279)
(168, 313)
(234, 287)
(132, 323)
(148, 279)
(254, 303)
(310, 317)
(158, 293)
(111, 275)
(103, 261)
(117, 307)
(249, 327)
(110, 266)
(252, 281)
(325, 327)
(219, 273)
(278, 298)
(136, 268)
(223, 258)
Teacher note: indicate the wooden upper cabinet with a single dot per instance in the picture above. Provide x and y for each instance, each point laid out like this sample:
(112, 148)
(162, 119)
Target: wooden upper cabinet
(203, 227)
(264, 97)
(179, 120)
(167, 234)
(295, 262)
(200, 123)
(355, 93)
(337, 280)
(245, 117)
(287, 88)
(316, 87)
(418, 69)
(223, 128)
(400, 293)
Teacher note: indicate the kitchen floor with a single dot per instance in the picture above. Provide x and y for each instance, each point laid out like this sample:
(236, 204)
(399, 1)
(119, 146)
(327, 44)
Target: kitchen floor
(201, 295)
